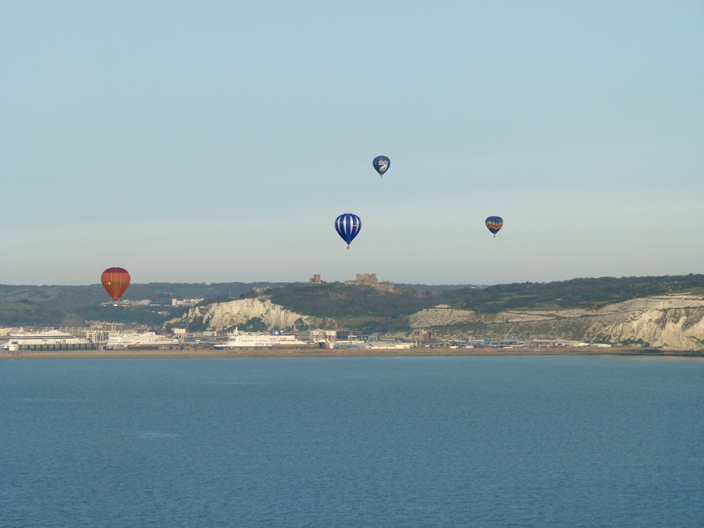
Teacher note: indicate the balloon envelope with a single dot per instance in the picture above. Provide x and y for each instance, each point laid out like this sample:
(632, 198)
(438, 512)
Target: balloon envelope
(381, 164)
(115, 282)
(494, 223)
(348, 226)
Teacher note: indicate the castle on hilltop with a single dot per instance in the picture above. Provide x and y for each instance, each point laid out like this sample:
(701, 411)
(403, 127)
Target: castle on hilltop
(369, 279)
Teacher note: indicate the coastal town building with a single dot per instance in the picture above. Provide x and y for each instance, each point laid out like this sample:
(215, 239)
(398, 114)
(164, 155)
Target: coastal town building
(107, 326)
(424, 335)
(130, 303)
(143, 340)
(141, 302)
(185, 302)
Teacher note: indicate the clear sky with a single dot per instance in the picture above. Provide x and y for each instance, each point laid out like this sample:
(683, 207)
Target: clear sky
(218, 141)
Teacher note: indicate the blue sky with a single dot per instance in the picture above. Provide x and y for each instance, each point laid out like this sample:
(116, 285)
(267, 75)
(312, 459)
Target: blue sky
(211, 143)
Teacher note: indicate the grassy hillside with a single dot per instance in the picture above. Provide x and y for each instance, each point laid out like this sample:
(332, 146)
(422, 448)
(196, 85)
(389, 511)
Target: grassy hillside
(340, 300)
(575, 293)
(27, 313)
(46, 305)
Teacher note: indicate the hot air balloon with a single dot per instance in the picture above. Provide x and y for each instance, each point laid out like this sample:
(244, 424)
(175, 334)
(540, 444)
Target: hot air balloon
(494, 223)
(381, 164)
(348, 226)
(115, 281)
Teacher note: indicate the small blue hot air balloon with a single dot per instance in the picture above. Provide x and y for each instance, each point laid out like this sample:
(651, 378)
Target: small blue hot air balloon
(381, 164)
(348, 226)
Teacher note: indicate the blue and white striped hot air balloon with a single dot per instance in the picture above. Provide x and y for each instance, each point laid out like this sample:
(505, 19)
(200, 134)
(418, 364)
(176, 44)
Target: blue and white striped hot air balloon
(348, 226)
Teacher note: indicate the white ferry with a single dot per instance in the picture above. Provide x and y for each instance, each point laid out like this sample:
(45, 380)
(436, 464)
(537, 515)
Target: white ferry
(43, 340)
(244, 340)
(136, 340)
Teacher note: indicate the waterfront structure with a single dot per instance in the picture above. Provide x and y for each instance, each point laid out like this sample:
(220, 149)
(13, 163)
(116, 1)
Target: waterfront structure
(51, 340)
(318, 337)
(139, 340)
(253, 340)
(390, 345)
(369, 279)
(97, 332)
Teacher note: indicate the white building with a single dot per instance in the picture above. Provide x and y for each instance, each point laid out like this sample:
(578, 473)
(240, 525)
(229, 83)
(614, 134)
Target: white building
(253, 340)
(50, 340)
(135, 340)
(185, 302)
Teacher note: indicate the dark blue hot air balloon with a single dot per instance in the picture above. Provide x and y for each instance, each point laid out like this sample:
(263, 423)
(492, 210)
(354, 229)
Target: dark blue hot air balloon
(381, 164)
(348, 226)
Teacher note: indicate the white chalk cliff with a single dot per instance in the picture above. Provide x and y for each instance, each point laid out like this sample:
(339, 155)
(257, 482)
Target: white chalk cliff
(670, 322)
(233, 313)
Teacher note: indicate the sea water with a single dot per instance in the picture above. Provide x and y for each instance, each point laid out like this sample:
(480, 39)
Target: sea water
(441, 441)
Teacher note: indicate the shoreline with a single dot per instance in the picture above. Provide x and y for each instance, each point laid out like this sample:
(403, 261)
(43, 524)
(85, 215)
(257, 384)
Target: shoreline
(350, 352)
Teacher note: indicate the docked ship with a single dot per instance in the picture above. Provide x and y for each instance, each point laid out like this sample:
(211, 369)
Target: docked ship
(137, 340)
(246, 340)
(51, 340)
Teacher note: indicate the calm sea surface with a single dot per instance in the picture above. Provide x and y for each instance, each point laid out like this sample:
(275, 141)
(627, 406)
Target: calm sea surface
(473, 441)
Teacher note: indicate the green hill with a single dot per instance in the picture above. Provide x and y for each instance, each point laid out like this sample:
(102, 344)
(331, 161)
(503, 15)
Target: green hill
(575, 293)
(28, 305)
(27, 313)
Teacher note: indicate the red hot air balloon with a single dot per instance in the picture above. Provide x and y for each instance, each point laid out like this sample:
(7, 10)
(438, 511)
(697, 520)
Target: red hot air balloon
(115, 282)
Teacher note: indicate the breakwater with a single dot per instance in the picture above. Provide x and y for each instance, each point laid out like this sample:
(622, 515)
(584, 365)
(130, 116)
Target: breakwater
(344, 352)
